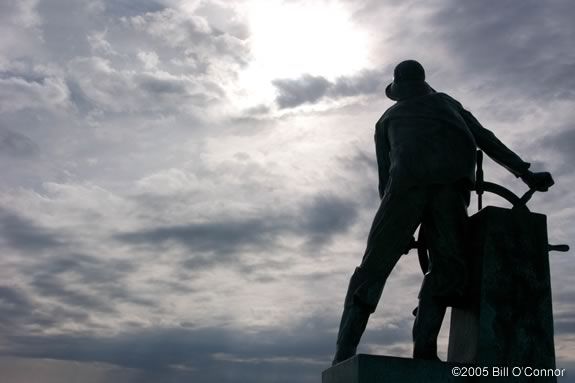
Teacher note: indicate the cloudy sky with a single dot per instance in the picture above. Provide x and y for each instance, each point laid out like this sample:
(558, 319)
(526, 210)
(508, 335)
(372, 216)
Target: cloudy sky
(187, 185)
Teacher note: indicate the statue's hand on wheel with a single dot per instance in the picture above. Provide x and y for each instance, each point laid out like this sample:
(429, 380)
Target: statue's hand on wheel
(541, 181)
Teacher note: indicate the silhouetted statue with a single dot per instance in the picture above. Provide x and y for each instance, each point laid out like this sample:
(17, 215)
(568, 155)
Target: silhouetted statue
(426, 153)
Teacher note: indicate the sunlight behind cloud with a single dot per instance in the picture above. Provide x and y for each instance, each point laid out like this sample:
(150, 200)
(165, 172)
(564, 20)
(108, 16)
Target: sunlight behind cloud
(291, 39)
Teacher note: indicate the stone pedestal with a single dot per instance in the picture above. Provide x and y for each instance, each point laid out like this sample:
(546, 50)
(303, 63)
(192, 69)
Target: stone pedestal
(509, 321)
(387, 369)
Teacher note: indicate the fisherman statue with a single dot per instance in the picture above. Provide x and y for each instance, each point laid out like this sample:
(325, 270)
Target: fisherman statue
(426, 154)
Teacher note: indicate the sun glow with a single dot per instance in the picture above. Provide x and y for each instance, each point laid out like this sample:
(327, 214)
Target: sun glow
(289, 39)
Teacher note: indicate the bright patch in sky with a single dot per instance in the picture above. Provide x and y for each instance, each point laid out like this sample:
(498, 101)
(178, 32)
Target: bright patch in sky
(290, 39)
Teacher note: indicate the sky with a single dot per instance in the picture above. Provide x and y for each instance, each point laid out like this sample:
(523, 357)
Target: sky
(187, 186)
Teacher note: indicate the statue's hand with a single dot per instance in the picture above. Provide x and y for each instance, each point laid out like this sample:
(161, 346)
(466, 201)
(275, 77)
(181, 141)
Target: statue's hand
(541, 181)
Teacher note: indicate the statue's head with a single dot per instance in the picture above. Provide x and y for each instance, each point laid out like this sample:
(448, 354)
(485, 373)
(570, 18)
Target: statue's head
(408, 81)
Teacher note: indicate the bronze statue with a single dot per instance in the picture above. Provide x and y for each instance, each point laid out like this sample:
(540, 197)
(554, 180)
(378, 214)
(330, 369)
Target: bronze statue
(426, 153)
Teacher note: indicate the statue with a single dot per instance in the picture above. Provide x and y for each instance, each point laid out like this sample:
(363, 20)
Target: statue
(426, 153)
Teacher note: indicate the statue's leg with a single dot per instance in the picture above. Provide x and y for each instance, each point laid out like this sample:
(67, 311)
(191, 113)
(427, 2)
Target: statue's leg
(444, 222)
(395, 221)
(426, 327)
(353, 321)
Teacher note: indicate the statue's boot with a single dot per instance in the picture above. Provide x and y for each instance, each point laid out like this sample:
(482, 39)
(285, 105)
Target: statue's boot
(353, 320)
(426, 328)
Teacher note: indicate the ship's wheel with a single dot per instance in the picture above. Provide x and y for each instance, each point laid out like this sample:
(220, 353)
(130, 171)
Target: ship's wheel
(481, 186)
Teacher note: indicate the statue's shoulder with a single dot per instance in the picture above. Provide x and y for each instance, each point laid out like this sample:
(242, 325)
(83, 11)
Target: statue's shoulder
(436, 101)
(389, 112)
(448, 99)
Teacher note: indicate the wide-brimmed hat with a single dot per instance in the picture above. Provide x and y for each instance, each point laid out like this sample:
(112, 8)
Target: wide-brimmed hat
(408, 81)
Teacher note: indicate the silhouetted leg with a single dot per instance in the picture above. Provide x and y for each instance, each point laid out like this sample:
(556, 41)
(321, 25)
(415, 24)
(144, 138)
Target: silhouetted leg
(352, 325)
(444, 223)
(395, 221)
(426, 327)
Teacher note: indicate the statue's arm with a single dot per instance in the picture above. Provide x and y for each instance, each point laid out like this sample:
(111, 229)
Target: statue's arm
(382, 153)
(494, 148)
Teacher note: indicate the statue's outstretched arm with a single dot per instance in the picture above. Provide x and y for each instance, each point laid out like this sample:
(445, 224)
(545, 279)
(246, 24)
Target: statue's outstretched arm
(504, 156)
(494, 148)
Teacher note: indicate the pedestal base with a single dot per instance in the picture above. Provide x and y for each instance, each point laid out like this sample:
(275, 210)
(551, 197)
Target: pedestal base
(388, 369)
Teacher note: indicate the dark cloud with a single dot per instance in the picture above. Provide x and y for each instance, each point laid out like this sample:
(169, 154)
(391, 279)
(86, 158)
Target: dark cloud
(219, 242)
(14, 305)
(298, 353)
(511, 45)
(311, 89)
(221, 237)
(365, 82)
(360, 161)
(562, 142)
(256, 110)
(128, 8)
(327, 215)
(89, 269)
(23, 70)
(78, 97)
(505, 50)
(17, 144)
(22, 314)
(85, 282)
(49, 285)
(306, 89)
(157, 85)
(21, 233)
(77, 286)
(13, 297)
(564, 322)
(208, 355)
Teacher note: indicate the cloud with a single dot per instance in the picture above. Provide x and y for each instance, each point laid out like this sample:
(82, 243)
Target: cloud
(22, 313)
(563, 143)
(129, 8)
(19, 22)
(96, 81)
(18, 93)
(88, 268)
(159, 86)
(204, 353)
(178, 29)
(15, 306)
(101, 69)
(21, 13)
(219, 237)
(307, 89)
(17, 144)
(367, 82)
(217, 243)
(327, 216)
(59, 289)
(207, 353)
(311, 89)
(23, 234)
(509, 45)
(48, 285)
